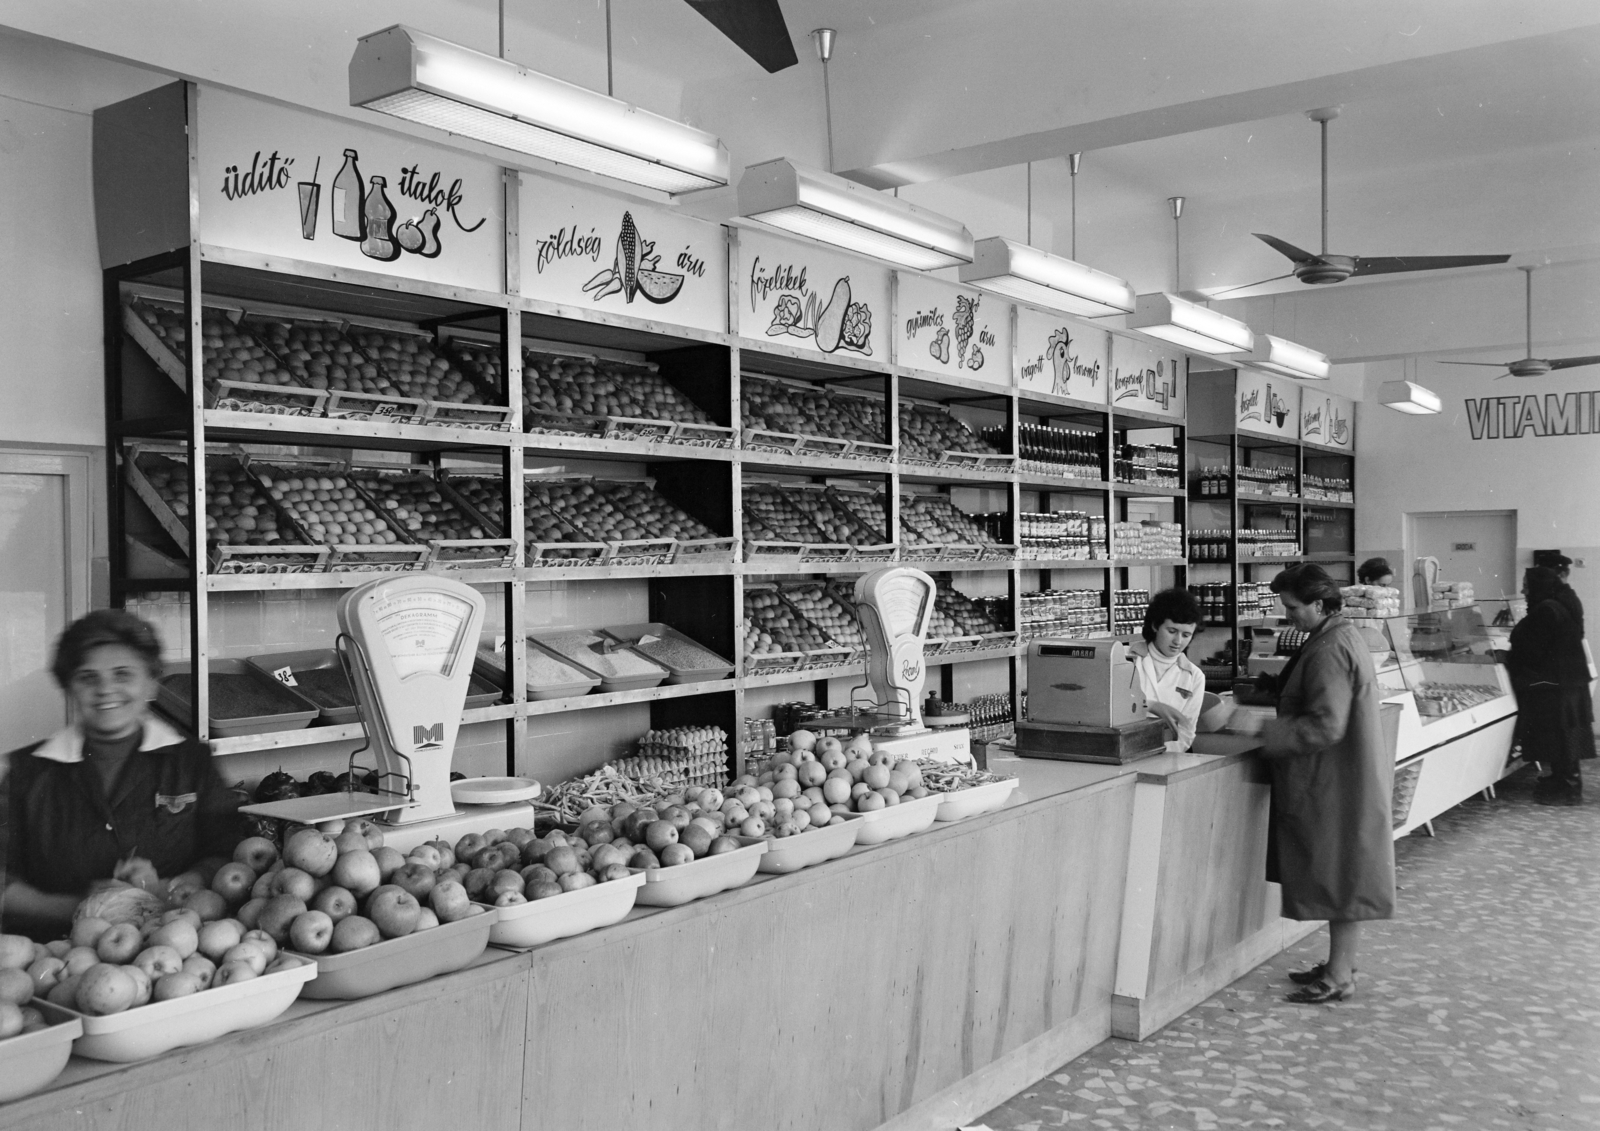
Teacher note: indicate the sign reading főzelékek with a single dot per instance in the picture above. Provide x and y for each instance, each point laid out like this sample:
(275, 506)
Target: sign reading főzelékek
(953, 330)
(806, 297)
(587, 248)
(1266, 405)
(1061, 357)
(1534, 415)
(1146, 377)
(296, 185)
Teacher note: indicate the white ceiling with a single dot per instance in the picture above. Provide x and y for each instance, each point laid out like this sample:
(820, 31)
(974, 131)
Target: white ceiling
(1469, 126)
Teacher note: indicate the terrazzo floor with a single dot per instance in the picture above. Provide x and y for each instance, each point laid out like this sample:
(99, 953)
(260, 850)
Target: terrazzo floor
(1478, 1004)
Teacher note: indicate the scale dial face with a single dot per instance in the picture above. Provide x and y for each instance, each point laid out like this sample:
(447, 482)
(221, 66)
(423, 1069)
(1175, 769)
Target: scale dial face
(423, 630)
(901, 602)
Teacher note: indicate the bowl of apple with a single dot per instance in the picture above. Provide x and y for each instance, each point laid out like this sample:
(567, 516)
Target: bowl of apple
(35, 1043)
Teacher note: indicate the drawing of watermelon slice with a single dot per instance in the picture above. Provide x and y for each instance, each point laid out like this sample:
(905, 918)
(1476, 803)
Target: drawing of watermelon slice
(659, 286)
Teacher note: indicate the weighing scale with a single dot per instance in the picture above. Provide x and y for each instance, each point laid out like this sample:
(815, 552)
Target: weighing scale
(895, 605)
(1085, 705)
(408, 643)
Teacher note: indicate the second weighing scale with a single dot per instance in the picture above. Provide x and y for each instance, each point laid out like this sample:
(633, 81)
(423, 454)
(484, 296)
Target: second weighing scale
(409, 643)
(896, 607)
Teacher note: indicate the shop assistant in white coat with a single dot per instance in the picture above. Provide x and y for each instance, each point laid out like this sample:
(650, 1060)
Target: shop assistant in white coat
(1174, 689)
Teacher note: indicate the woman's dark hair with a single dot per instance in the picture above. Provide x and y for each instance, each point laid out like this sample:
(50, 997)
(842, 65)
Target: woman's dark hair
(1310, 582)
(1541, 584)
(1176, 605)
(99, 628)
(1373, 568)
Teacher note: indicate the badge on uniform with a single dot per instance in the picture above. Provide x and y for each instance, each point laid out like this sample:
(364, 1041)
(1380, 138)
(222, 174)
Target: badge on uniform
(175, 802)
(1185, 692)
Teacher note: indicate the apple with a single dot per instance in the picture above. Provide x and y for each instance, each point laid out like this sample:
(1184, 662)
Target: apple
(284, 962)
(389, 862)
(311, 932)
(17, 952)
(57, 948)
(201, 967)
(643, 858)
(142, 985)
(180, 887)
(119, 944)
(354, 933)
(357, 869)
(105, 989)
(469, 846)
(276, 916)
(262, 888)
(449, 901)
(181, 984)
(478, 880)
(426, 919)
(232, 972)
(723, 844)
(248, 953)
(158, 960)
(535, 851)
(674, 854)
(87, 931)
(294, 881)
(250, 914)
(416, 878)
(46, 972)
(234, 882)
(521, 837)
(349, 841)
(504, 881)
(207, 904)
(710, 799)
(65, 992)
(395, 911)
(335, 902)
(311, 851)
(218, 935)
(15, 986)
(79, 959)
(256, 853)
(660, 834)
(268, 944)
(181, 935)
(369, 830)
(447, 853)
(426, 855)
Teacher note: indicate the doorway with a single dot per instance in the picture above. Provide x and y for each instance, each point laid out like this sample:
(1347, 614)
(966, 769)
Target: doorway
(1479, 547)
(44, 583)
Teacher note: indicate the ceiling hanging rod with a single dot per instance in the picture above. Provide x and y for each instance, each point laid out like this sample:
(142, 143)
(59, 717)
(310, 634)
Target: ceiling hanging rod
(1527, 274)
(610, 86)
(1073, 161)
(1322, 116)
(1177, 246)
(823, 37)
(502, 17)
(1029, 206)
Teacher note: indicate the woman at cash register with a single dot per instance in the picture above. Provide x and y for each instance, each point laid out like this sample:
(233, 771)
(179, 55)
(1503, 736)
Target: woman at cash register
(1174, 689)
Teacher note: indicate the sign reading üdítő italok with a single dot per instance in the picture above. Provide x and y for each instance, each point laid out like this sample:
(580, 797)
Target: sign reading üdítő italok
(299, 186)
(800, 295)
(1062, 357)
(953, 330)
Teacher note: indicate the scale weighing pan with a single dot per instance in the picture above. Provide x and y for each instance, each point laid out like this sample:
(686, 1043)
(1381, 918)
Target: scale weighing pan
(493, 791)
(321, 807)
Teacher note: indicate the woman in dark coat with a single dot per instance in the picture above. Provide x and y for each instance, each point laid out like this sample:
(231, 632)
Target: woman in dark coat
(1550, 676)
(1331, 841)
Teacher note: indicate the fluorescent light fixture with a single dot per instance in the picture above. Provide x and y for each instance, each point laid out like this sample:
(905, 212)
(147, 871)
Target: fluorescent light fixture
(1288, 359)
(1020, 271)
(833, 210)
(421, 78)
(1189, 325)
(1409, 397)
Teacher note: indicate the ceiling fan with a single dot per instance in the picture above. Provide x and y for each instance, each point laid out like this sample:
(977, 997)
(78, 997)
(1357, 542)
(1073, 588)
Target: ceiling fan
(1531, 366)
(1325, 267)
(756, 26)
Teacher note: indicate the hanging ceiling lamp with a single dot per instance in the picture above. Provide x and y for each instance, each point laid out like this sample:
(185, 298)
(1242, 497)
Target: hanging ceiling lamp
(433, 82)
(1186, 324)
(1287, 359)
(1410, 398)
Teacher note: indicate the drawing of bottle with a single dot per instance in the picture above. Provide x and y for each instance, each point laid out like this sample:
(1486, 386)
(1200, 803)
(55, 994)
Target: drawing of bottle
(378, 215)
(348, 220)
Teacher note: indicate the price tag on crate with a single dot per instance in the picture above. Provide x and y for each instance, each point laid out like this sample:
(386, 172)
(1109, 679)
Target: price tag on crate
(285, 676)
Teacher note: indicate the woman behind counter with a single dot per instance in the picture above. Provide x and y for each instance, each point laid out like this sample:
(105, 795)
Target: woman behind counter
(118, 793)
(1174, 689)
(1330, 844)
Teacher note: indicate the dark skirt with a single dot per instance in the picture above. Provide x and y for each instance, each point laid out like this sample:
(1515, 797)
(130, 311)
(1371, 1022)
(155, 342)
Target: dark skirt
(1556, 727)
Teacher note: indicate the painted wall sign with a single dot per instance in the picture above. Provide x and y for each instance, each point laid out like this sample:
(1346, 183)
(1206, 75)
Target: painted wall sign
(1534, 415)
(1327, 419)
(1266, 405)
(807, 297)
(587, 248)
(1065, 358)
(297, 185)
(952, 330)
(1146, 377)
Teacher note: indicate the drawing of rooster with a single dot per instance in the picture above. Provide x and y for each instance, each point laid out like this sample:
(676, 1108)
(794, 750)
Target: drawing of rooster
(1061, 361)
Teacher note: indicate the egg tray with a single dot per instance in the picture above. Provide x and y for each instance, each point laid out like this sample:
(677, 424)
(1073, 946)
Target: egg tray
(444, 553)
(401, 556)
(282, 558)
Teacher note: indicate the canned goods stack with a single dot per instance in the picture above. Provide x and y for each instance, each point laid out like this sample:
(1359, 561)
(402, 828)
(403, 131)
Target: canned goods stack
(1067, 613)
(1144, 541)
(1061, 536)
(1127, 611)
(1148, 465)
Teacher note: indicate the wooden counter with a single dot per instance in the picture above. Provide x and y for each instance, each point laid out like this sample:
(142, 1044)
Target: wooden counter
(909, 985)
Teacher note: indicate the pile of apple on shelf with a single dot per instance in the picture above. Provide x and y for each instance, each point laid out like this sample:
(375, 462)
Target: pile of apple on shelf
(841, 778)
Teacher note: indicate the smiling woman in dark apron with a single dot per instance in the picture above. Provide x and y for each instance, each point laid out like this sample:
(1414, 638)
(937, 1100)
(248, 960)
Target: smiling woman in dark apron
(119, 794)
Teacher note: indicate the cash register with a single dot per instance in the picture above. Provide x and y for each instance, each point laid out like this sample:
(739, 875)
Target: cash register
(1085, 705)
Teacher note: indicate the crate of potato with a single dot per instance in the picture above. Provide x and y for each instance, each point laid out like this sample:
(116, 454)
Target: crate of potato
(612, 398)
(431, 513)
(238, 372)
(930, 435)
(825, 508)
(934, 529)
(323, 354)
(601, 517)
(864, 506)
(325, 503)
(964, 625)
(869, 427)
(823, 606)
(778, 638)
(695, 541)
(785, 417)
(245, 531)
(782, 523)
(548, 540)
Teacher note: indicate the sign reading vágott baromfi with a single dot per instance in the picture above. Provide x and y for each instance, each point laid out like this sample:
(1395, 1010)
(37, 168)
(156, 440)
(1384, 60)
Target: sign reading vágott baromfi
(1534, 414)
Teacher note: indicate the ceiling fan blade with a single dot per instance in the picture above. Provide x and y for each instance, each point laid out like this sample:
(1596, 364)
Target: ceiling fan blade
(1394, 264)
(1247, 286)
(1573, 362)
(756, 26)
(1485, 364)
(1284, 248)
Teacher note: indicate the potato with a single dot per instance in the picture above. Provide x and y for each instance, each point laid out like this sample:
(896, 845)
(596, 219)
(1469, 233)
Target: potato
(601, 387)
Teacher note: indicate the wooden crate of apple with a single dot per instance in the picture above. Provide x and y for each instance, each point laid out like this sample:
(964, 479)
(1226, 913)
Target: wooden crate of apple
(926, 433)
(841, 777)
(823, 608)
(327, 507)
(237, 513)
(777, 406)
(600, 387)
(415, 503)
(320, 356)
(413, 369)
(772, 627)
(771, 515)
